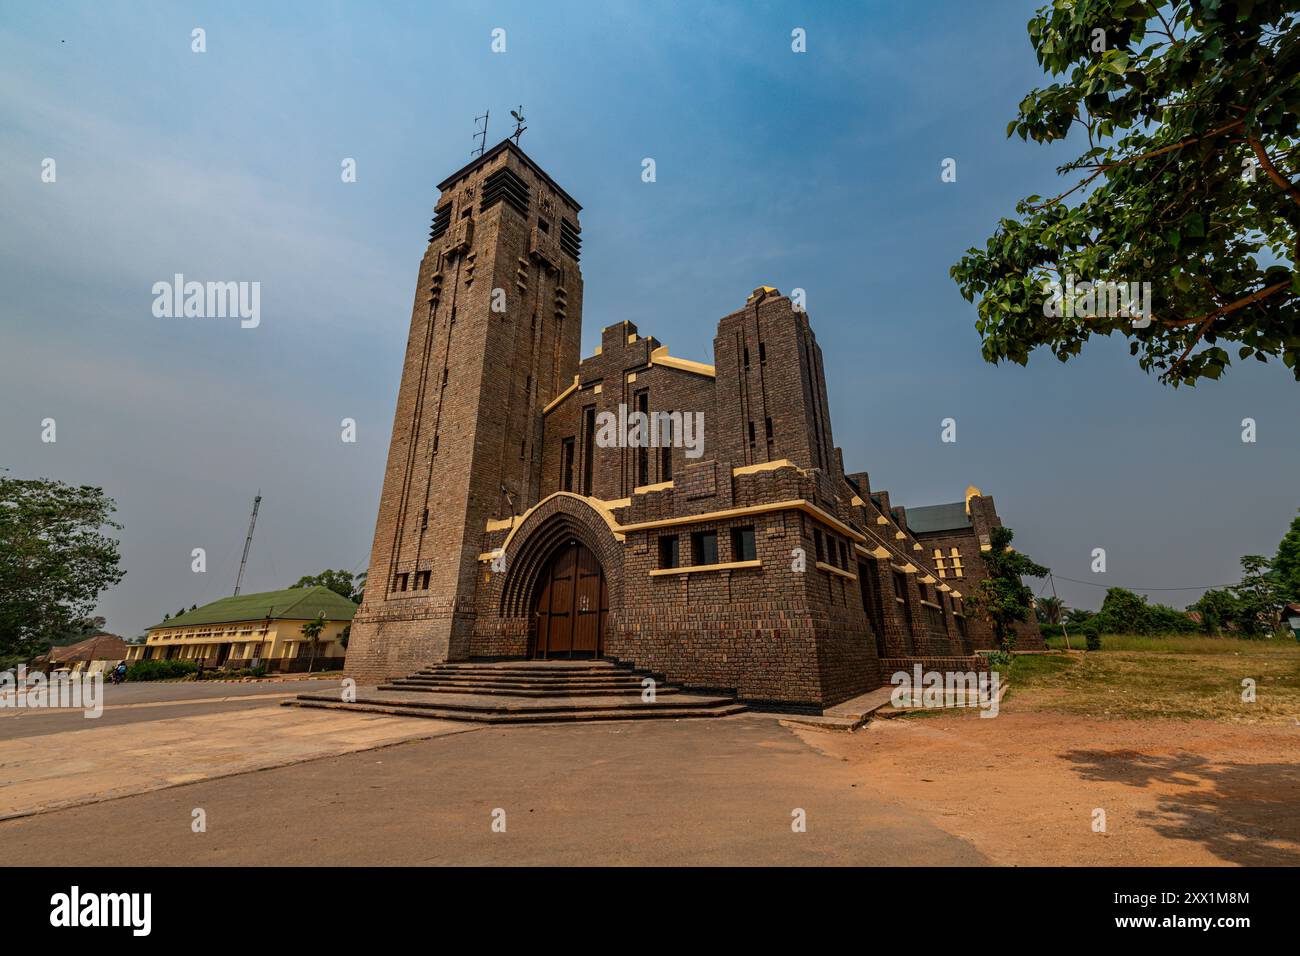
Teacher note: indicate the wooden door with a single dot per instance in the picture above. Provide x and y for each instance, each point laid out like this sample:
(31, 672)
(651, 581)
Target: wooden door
(572, 605)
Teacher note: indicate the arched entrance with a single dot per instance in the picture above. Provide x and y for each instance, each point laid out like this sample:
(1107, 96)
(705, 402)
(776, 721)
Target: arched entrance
(570, 604)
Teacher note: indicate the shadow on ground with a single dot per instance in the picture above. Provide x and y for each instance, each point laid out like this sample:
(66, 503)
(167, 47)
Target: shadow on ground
(1243, 813)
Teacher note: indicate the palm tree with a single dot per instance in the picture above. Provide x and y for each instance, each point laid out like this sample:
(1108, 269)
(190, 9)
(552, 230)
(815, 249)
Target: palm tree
(311, 632)
(1049, 610)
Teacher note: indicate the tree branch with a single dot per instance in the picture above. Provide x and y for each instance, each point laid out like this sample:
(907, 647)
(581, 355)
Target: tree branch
(1185, 141)
(1279, 180)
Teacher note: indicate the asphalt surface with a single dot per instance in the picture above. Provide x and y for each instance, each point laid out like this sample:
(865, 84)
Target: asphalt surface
(156, 700)
(716, 791)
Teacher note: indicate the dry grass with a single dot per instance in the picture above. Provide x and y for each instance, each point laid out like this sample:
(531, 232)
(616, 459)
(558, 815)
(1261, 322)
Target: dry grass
(1179, 677)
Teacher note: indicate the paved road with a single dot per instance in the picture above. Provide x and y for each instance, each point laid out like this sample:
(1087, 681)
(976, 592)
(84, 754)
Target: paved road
(137, 703)
(718, 791)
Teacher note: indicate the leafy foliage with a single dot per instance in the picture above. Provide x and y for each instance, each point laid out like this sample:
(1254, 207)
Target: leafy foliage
(1048, 610)
(54, 560)
(311, 632)
(1259, 602)
(1190, 110)
(340, 582)
(1286, 564)
(159, 670)
(1002, 597)
(1124, 612)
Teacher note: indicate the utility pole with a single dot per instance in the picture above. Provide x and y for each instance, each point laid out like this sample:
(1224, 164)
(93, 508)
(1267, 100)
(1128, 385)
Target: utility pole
(248, 541)
(1064, 630)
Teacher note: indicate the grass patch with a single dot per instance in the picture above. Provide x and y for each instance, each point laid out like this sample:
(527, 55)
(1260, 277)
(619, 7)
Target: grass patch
(1182, 644)
(1180, 677)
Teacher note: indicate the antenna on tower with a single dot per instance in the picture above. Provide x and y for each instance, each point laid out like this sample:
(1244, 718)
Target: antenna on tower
(257, 502)
(519, 124)
(480, 134)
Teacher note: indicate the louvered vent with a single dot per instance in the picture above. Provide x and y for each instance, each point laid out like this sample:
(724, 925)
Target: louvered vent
(504, 185)
(441, 220)
(570, 240)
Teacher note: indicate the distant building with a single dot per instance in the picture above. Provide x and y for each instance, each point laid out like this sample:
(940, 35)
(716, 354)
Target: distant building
(954, 536)
(98, 653)
(251, 630)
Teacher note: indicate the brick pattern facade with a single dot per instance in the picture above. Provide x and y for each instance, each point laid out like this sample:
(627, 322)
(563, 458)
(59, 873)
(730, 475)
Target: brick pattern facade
(497, 462)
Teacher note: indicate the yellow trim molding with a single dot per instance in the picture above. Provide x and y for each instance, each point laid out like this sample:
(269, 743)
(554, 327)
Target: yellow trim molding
(562, 396)
(765, 466)
(660, 356)
(661, 486)
(728, 566)
(823, 566)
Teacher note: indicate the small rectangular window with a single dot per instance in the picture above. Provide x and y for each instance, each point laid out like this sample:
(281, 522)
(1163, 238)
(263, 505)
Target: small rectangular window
(844, 556)
(746, 358)
(742, 544)
(817, 540)
(751, 433)
(768, 425)
(669, 555)
(566, 464)
(762, 352)
(424, 520)
(704, 547)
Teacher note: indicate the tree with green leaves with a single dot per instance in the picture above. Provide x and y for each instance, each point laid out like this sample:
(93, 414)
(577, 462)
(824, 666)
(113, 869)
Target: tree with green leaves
(311, 633)
(340, 582)
(1286, 564)
(1049, 609)
(1219, 610)
(1259, 603)
(1002, 597)
(55, 559)
(1184, 115)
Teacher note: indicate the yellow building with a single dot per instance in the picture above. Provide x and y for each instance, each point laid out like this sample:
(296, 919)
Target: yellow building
(253, 630)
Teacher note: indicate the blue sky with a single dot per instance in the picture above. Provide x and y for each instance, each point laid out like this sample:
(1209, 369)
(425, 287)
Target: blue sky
(816, 170)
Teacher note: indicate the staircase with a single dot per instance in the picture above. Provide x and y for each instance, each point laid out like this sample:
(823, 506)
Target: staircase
(516, 692)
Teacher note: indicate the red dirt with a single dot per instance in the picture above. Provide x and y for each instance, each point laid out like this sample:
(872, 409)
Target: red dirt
(1023, 787)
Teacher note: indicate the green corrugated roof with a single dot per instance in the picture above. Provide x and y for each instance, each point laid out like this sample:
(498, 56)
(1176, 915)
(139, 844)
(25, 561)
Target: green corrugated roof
(299, 604)
(947, 517)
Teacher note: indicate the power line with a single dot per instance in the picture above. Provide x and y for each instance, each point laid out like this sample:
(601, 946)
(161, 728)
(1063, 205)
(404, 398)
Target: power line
(1094, 584)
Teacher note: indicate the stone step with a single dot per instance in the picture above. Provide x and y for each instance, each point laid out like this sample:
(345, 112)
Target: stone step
(569, 673)
(526, 692)
(519, 683)
(485, 705)
(524, 717)
(531, 691)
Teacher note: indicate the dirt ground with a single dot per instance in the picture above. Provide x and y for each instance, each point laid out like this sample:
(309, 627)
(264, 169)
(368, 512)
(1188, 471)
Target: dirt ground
(1023, 788)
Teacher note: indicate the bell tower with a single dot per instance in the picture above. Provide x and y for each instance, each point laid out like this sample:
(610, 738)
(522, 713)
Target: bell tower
(495, 334)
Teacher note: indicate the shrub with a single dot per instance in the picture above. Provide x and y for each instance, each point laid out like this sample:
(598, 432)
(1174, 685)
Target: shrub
(1092, 634)
(1123, 612)
(999, 659)
(160, 670)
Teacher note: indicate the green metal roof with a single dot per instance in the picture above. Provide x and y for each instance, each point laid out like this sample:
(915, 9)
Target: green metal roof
(949, 517)
(298, 604)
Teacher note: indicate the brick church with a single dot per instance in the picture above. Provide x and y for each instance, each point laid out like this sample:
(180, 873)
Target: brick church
(746, 560)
